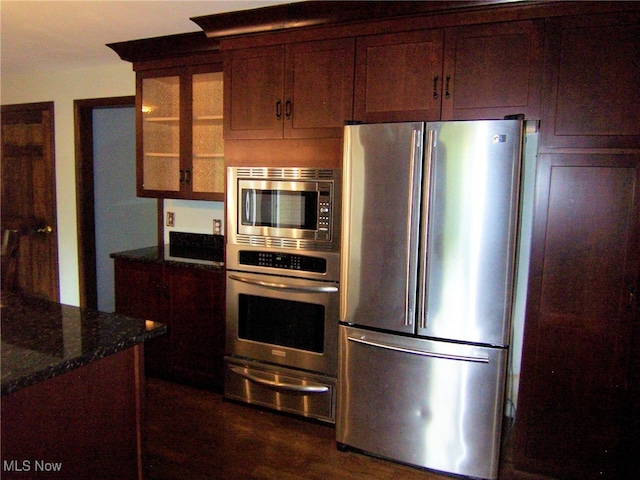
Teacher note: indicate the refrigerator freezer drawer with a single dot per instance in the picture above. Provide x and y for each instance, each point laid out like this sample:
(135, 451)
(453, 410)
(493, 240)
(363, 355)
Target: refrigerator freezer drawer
(426, 403)
(283, 389)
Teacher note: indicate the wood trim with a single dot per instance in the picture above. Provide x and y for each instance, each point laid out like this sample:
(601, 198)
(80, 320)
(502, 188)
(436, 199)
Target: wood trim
(319, 20)
(289, 152)
(160, 222)
(139, 382)
(85, 211)
(164, 47)
(322, 13)
(481, 13)
(190, 60)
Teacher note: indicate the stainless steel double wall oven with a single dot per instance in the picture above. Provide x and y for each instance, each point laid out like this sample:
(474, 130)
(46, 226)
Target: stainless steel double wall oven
(283, 267)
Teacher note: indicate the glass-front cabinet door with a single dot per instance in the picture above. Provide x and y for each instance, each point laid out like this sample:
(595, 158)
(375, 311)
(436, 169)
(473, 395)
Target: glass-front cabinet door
(207, 174)
(160, 134)
(181, 150)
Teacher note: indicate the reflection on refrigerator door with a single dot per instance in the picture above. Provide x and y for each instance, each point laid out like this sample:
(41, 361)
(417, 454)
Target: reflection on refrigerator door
(426, 403)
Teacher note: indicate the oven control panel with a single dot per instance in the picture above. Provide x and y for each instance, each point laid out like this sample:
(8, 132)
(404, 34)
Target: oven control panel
(285, 261)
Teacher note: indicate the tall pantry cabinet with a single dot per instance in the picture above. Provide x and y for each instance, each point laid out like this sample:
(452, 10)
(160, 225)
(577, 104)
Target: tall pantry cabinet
(579, 399)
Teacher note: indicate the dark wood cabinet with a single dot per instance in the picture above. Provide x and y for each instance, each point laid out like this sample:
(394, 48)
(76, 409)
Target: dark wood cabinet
(492, 70)
(581, 312)
(460, 73)
(179, 122)
(631, 414)
(140, 293)
(594, 82)
(399, 77)
(196, 309)
(191, 302)
(578, 394)
(179, 108)
(84, 424)
(253, 93)
(293, 91)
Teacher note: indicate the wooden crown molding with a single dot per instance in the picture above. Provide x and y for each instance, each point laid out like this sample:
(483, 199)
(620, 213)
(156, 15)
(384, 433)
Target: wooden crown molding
(322, 13)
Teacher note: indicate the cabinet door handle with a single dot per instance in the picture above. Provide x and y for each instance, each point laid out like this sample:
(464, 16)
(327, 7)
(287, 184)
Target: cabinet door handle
(187, 176)
(287, 108)
(279, 109)
(181, 176)
(435, 87)
(446, 88)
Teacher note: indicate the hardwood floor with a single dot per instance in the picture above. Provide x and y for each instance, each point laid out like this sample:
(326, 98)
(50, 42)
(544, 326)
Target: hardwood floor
(193, 434)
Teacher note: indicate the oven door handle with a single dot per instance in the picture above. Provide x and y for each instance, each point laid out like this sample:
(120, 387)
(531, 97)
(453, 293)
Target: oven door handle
(285, 287)
(291, 387)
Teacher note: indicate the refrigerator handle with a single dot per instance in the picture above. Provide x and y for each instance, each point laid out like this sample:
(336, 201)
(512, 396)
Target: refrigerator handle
(424, 233)
(412, 223)
(422, 353)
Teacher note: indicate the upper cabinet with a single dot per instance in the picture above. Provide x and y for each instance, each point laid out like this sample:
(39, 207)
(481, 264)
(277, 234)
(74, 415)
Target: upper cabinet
(180, 145)
(399, 77)
(289, 91)
(468, 72)
(492, 70)
(592, 90)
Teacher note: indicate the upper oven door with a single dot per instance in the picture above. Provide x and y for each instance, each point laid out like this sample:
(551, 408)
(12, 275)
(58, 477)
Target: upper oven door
(282, 320)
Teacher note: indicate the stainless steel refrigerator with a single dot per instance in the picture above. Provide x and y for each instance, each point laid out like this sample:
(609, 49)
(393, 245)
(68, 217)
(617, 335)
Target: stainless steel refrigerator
(430, 216)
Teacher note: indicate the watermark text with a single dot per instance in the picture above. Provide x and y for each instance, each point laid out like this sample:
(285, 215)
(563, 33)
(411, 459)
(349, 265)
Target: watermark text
(31, 466)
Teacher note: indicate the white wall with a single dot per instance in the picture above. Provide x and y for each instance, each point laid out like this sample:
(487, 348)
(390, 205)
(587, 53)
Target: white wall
(193, 216)
(63, 88)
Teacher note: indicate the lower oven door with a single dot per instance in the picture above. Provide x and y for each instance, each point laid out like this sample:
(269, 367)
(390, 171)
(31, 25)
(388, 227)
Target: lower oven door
(286, 321)
(283, 389)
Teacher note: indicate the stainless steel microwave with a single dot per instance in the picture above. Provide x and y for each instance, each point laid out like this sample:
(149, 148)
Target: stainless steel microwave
(284, 207)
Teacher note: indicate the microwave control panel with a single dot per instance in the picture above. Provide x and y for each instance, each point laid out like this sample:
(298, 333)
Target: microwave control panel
(286, 261)
(324, 215)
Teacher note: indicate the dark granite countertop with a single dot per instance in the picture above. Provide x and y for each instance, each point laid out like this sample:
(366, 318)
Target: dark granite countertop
(161, 255)
(41, 339)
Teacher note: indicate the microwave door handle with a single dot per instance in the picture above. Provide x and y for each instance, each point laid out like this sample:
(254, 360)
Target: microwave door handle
(309, 388)
(249, 212)
(285, 287)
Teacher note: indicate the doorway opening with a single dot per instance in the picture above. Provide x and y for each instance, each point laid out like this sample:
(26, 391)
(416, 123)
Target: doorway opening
(110, 216)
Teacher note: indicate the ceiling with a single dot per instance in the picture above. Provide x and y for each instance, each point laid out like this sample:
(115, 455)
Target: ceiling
(55, 35)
